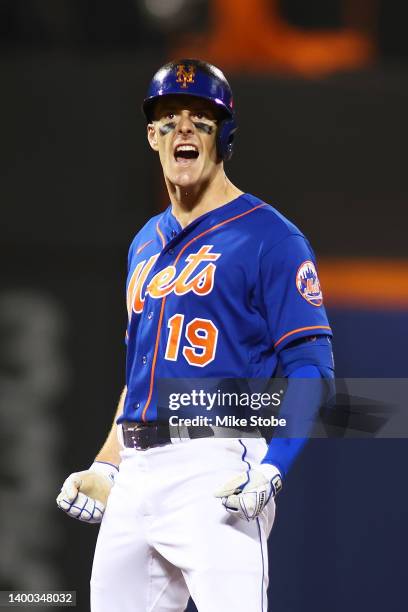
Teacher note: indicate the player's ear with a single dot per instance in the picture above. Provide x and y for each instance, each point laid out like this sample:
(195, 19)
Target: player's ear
(152, 136)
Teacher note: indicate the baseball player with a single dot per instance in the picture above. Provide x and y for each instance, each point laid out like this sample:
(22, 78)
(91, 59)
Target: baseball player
(220, 285)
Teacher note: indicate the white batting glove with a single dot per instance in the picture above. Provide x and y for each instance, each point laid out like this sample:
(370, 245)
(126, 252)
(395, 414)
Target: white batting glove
(84, 494)
(247, 494)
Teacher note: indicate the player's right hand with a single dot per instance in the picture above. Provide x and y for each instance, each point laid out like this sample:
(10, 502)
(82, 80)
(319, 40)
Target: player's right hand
(84, 494)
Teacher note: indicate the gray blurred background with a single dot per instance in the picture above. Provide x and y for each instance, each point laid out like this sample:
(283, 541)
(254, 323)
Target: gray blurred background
(321, 91)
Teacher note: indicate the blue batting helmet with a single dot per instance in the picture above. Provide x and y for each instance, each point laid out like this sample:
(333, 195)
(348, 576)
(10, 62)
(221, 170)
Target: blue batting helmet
(193, 77)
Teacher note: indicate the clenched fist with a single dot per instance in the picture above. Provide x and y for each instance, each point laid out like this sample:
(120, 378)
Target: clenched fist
(84, 494)
(248, 493)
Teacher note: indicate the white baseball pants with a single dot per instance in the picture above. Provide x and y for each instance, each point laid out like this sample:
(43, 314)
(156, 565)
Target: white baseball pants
(164, 536)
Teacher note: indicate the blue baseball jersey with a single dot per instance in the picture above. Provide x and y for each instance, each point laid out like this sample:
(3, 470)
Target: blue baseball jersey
(218, 298)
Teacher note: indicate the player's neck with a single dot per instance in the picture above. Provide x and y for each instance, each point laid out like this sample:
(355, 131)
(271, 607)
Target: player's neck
(189, 204)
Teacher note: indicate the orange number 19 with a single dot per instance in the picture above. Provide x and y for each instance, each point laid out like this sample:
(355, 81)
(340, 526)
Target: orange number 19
(202, 336)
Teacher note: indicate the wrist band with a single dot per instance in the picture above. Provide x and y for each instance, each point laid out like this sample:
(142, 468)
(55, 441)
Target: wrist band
(107, 469)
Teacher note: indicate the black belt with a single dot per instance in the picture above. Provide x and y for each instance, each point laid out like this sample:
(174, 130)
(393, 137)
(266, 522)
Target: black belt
(142, 436)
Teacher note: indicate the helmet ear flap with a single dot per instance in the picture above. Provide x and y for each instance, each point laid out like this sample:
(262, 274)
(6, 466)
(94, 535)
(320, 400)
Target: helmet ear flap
(225, 138)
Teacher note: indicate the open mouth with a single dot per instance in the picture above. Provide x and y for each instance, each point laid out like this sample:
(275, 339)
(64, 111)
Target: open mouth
(185, 152)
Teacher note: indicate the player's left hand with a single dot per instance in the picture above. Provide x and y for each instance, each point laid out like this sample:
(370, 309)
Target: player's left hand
(248, 493)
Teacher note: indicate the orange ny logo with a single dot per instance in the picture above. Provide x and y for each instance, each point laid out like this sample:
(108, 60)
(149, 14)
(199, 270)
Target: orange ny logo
(185, 76)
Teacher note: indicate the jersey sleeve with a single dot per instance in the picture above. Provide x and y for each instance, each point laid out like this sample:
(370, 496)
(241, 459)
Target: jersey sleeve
(291, 293)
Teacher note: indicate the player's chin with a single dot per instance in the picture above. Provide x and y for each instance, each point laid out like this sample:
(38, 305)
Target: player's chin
(186, 176)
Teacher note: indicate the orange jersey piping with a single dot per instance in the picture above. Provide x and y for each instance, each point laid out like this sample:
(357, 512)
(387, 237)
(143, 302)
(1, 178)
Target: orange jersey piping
(160, 234)
(300, 329)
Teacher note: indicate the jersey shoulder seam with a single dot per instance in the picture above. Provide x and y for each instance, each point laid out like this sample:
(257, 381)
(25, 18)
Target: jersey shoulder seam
(289, 228)
(290, 234)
